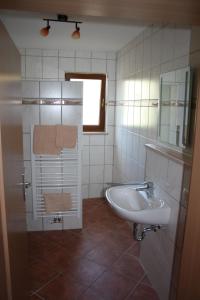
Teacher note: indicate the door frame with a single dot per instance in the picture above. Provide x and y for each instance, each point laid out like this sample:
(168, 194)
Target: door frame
(188, 285)
(5, 267)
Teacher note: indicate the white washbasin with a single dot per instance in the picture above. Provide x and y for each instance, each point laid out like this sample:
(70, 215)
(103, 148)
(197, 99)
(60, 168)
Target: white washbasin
(136, 206)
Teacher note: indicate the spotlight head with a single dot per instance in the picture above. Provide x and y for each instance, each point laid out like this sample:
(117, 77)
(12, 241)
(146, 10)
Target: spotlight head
(45, 30)
(76, 33)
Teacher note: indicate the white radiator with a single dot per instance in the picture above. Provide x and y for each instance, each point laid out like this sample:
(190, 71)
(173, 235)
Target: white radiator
(57, 174)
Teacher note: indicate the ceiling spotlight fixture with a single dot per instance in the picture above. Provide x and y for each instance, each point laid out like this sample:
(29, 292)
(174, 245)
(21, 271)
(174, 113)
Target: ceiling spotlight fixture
(45, 30)
(64, 19)
(76, 34)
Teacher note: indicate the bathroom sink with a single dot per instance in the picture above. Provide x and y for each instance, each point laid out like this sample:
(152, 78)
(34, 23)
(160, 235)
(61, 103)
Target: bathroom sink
(137, 206)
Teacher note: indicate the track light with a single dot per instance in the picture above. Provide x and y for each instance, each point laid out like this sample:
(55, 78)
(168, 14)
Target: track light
(76, 34)
(45, 30)
(61, 18)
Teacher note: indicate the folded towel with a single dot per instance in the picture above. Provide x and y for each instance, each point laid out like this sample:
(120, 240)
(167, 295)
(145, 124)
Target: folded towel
(66, 136)
(57, 202)
(44, 140)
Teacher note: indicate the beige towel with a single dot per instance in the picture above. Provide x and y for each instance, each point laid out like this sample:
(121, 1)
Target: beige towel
(66, 136)
(57, 202)
(44, 140)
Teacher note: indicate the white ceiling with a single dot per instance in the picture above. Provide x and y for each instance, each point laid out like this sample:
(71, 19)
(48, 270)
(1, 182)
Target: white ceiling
(24, 30)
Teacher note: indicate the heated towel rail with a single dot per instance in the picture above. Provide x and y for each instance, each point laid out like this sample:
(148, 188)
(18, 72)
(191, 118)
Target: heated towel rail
(57, 174)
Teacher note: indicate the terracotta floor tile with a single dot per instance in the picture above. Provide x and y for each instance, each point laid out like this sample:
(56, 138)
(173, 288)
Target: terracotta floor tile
(58, 236)
(143, 292)
(87, 234)
(104, 254)
(118, 241)
(92, 202)
(64, 287)
(36, 297)
(46, 247)
(84, 271)
(91, 294)
(60, 260)
(113, 286)
(97, 262)
(79, 246)
(134, 250)
(40, 273)
(130, 266)
(97, 232)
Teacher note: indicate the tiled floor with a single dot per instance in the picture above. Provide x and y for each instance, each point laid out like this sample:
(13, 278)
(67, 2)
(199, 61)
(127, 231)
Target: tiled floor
(99, 262)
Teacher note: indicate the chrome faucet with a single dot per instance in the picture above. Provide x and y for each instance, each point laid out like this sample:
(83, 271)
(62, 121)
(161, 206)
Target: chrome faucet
(147, 187)
(145, 184)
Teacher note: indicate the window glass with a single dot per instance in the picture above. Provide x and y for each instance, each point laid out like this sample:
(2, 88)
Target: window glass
(93, 99)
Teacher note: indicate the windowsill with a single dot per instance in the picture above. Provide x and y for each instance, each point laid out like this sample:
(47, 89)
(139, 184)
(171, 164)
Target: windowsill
(95, 132)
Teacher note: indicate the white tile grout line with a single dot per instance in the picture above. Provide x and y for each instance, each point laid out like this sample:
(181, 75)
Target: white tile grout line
(107, 269)
(134, 288)
(39, 297)
(50, 280)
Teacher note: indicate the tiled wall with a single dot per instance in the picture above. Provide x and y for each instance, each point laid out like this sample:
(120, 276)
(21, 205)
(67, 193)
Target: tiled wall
(139, 65)
(157, 249)
(42, 72)
(38, 113)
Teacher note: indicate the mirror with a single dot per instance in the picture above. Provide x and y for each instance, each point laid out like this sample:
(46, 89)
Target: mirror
(175, 102)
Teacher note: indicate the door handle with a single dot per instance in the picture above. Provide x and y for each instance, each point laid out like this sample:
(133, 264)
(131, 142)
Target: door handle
(24, 184)
(27, 184)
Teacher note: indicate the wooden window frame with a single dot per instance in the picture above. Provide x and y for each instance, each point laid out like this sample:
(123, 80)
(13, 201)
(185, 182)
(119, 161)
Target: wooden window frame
(102, 77)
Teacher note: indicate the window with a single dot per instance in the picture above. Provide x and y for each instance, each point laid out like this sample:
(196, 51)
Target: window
(93, 99)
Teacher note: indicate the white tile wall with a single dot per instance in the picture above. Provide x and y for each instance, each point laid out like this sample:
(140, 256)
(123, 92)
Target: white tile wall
(111, 90)
(30, 89)
(32, 224)
(66, 64)
(34, 52)
(95, 190)
(71, 90)
(49, 225)
(71, 115)
(86, 156)
(45, 114)
(167, 177)
(33, 67)
(96, 155)
(108, 155)
(26, 147)
(49, 89)
(50, 67)
(99, 54)
(97, 140)
(83, 53)
(139, 65)
(50, 114)
(83, 65)
(99, 66)
(50, 52)
(96, 174)
(85, 191)
(85, 174)
(30, 117)
(66, 53)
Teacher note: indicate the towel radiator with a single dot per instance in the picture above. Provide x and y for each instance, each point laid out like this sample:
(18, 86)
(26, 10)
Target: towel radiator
(57, 174)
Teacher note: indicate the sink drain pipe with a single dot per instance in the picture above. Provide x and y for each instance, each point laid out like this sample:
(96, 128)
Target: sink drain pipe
(139, 235)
